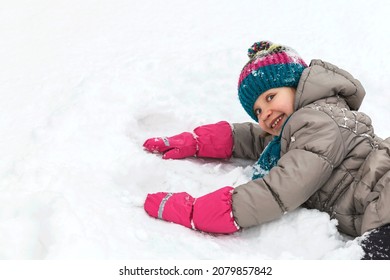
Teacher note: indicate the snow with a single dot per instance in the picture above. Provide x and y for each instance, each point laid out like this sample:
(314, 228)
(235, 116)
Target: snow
(84, 83)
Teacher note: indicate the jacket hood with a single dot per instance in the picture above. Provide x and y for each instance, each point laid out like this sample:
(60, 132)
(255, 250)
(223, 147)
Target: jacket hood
(322, 80)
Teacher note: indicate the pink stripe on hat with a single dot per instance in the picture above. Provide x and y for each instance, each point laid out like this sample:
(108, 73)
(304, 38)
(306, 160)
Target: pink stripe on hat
(276, 58)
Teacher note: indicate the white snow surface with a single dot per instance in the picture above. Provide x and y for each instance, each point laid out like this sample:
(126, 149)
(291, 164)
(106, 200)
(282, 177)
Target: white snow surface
(84, 83)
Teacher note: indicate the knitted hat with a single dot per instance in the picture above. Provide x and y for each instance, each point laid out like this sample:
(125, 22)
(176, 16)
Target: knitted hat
(270, 66)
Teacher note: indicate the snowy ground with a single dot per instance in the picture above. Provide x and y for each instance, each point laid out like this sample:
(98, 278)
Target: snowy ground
(84, 83)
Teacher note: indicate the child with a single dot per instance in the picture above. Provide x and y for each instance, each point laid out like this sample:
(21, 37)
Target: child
(316, 151)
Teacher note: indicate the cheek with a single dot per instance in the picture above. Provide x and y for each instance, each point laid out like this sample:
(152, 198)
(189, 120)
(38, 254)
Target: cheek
(292, 105)
(288, 109)
(291, 109)
(262, 126)
(289, 112)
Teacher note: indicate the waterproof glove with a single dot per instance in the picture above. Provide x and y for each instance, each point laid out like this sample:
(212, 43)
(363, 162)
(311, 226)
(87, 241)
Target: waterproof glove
(209, 213)
(211, 141)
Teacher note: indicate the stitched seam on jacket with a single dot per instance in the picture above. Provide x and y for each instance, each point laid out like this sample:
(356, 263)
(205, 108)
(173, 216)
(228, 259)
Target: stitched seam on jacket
(377, 212)
(276, 197)
(330, 196)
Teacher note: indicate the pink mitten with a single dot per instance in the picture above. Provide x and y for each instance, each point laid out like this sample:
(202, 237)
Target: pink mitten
(209, 213)
(171, 207)
(212, 141)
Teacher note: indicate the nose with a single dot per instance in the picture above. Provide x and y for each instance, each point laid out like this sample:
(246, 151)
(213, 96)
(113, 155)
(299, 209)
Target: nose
(265, 114)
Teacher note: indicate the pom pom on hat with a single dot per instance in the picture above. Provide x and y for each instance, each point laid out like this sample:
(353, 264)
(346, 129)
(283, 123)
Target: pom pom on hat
(270, 66)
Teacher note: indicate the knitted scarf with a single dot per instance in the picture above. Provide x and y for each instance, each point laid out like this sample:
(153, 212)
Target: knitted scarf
(269, 157)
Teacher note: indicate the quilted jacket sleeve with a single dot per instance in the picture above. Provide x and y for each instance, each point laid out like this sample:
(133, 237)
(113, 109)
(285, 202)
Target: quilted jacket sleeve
(249, 140)
(311, 147)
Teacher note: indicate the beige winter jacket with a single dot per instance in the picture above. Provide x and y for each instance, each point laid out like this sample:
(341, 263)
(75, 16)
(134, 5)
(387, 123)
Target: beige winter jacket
(331, 160)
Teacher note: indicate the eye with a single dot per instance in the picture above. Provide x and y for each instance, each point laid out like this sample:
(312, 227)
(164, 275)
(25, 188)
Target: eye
(270, 97)
(257, 112)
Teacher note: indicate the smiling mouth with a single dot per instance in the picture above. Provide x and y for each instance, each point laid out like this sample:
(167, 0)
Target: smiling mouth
(275, 123)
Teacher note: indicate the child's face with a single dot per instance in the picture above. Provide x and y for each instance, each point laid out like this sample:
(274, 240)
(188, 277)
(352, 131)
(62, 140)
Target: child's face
(273, 107)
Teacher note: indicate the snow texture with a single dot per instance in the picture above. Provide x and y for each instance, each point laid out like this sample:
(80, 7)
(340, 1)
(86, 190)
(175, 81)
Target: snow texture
(84, 83)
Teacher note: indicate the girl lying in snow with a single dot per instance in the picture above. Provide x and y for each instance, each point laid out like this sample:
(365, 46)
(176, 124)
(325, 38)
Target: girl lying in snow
(314, 150)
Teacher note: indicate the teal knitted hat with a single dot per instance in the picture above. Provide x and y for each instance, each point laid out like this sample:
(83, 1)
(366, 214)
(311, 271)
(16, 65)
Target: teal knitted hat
(270, 66)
